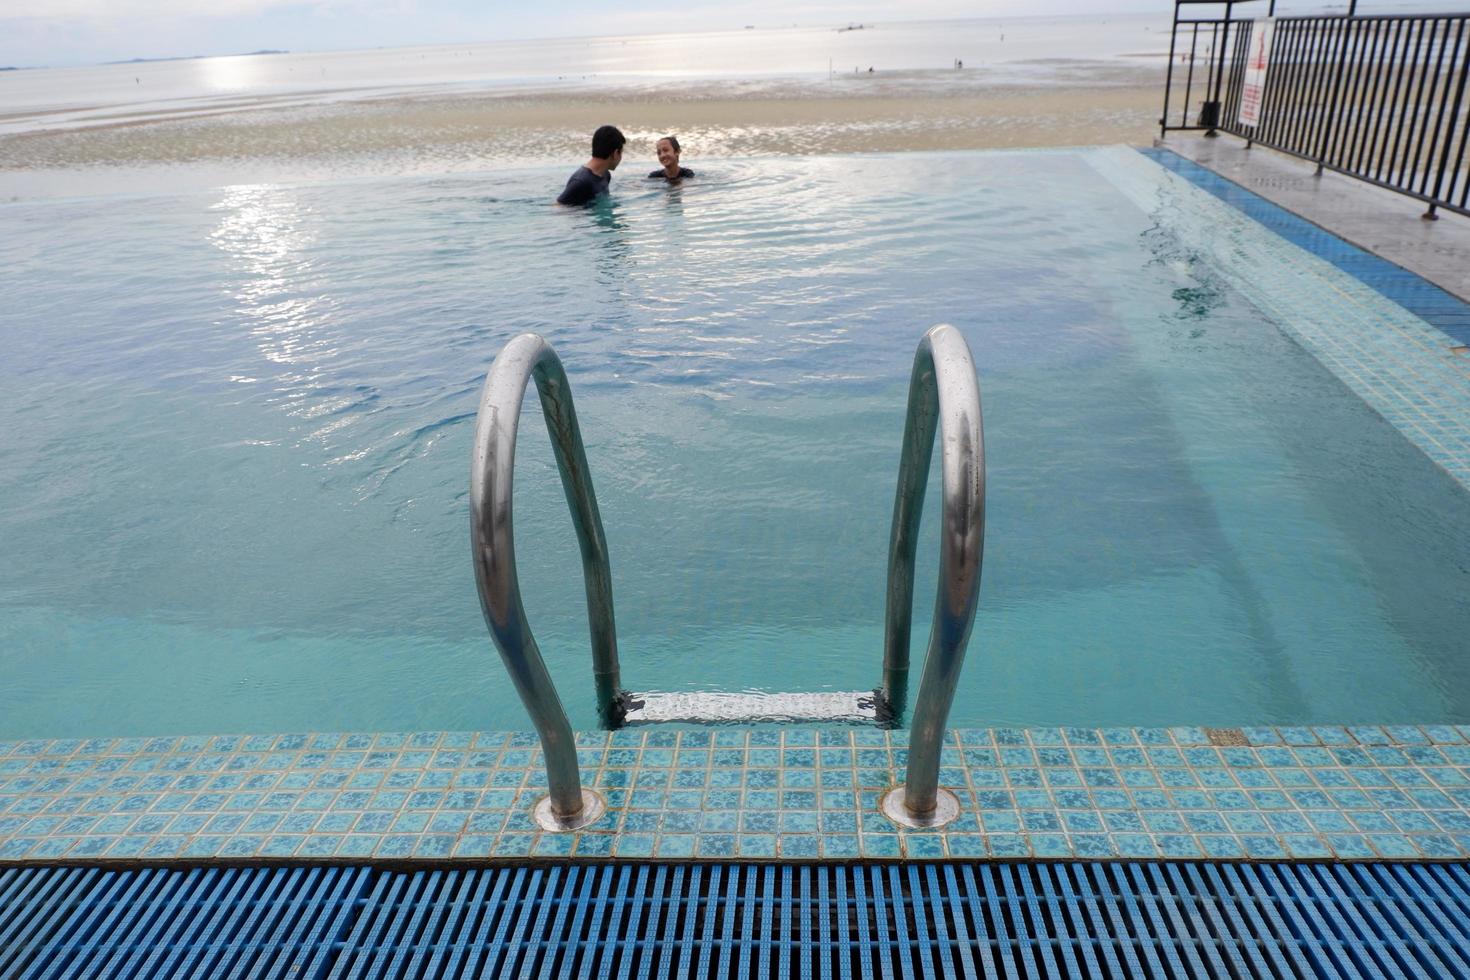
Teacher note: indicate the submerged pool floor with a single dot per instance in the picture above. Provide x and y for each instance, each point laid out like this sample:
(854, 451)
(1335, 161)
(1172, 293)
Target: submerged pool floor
(1393, 792)
(1226, 477)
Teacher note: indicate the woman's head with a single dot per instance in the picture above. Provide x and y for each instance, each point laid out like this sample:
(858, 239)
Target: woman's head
(667, 149)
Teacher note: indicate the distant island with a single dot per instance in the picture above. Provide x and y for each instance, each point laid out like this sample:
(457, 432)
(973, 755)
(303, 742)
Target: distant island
(194, 57)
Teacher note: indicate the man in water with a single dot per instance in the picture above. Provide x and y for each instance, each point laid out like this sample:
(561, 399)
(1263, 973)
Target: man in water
(595, 176)
(668, 156)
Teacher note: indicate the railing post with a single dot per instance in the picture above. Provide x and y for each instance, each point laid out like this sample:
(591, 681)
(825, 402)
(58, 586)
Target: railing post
(944, 396)
(1220, 48)
(1444, 157)
(492, 539)
(1169, 74)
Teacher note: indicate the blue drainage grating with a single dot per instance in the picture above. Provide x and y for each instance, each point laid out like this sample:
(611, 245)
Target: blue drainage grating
(1103, 919)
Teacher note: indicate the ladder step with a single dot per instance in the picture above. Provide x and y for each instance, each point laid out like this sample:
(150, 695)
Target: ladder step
(723, 708)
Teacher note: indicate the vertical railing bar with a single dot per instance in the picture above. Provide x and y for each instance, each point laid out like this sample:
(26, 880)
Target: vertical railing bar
(1214, 53)
(1454, 113)
(1220, 67)
(1189, 79)
(1320, 88)
(1461, 172)
(1268, 92)
(1370, 115)
(1406, 74)
(1403, 84)
(1311, 70)
(1362, 79)
(1388, 58)
(1384, 166)
(1429, 107)
(492, 539)
(1286, 103)
(1226, 93)
(1406, 175)
(1301, 87)
(1332, 118)
(1237, 72)
(1276, 91)
(1331, 89)
(1349, 126)
(1169, 75)
(1311, 38)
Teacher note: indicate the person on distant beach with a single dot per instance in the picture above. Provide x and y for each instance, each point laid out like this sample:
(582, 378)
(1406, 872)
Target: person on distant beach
(595, 176)
(667, 150)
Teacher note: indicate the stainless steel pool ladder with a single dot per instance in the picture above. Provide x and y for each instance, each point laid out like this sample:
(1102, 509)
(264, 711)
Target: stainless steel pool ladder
(944, 397)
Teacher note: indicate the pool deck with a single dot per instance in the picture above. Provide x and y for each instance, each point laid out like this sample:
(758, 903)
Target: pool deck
(1374, 793)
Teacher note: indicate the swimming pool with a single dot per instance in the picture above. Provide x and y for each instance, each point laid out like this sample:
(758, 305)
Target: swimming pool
(237, 428)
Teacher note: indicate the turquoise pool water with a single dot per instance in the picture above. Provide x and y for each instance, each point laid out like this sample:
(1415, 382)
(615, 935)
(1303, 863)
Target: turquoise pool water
(235, 426)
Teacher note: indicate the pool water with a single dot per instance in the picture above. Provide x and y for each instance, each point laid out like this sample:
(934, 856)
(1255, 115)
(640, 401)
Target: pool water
(235, 432)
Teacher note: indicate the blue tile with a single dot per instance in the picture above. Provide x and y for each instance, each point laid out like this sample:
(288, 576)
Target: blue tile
(1261, 846)
(924, 846)
(765, 847)
(1134, 846)
(1050, 846)
(1177, 846)
(881, 846)
(840, 846)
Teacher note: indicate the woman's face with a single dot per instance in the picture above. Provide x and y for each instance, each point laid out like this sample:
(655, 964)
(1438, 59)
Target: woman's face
(667, 155)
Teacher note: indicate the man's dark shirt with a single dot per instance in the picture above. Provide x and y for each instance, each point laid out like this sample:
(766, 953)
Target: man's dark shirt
(683, 172)
(583, 186)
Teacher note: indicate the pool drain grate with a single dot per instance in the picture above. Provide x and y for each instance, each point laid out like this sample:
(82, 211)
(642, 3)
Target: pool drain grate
(1096, 919)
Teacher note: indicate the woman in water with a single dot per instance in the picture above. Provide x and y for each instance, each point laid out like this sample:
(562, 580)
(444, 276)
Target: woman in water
(668, 155)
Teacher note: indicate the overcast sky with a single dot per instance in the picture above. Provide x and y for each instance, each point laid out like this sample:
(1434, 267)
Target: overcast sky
(69, 32)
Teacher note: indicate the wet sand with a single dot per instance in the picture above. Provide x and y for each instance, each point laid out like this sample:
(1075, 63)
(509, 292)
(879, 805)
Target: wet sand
(440, 132)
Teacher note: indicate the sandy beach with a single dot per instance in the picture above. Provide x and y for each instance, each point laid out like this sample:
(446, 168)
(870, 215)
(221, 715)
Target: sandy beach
(315, 136)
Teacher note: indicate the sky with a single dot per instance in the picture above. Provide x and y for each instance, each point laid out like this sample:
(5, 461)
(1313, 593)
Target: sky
(69, 32)
(72, 32)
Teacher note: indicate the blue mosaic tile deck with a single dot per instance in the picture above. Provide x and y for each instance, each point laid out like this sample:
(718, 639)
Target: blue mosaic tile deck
(1269, 794)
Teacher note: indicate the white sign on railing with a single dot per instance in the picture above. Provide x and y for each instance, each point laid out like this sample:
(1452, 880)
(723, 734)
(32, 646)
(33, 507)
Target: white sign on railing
(1257, 61)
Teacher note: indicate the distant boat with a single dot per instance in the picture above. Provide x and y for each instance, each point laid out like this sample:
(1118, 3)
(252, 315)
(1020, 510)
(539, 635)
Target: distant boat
(853, 27)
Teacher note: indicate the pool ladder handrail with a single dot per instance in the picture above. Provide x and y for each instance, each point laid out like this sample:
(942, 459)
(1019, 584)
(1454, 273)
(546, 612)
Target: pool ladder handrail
(492, 539)
(944, 398)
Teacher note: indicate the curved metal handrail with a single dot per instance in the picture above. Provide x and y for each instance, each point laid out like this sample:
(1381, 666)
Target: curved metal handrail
(944, 395)
(493, 543)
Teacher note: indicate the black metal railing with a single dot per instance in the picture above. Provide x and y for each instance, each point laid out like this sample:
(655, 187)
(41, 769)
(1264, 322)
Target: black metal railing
(1382, 98)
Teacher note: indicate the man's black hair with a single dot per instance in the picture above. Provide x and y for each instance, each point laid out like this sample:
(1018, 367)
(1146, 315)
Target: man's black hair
(673, 141)
(607, 141)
